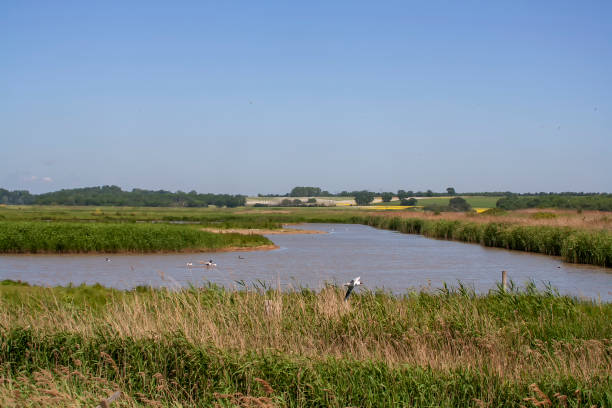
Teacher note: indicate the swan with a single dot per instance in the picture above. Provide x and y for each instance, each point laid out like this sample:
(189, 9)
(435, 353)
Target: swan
(189, 264)
(351, 285)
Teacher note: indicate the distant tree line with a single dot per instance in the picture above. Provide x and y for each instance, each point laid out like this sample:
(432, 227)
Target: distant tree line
(20, 197)
(579, 201)
(113, 195)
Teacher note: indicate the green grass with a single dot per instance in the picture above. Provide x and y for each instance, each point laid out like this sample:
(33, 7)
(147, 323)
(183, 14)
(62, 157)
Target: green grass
(198, 347)
(474, 201)
(73, 237)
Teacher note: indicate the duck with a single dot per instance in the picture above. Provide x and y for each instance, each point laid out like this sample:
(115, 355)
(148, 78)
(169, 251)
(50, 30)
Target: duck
(351, 285)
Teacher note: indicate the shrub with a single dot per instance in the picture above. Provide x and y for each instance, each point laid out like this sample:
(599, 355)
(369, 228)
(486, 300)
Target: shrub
(364, 197)
(459, 204)
(408, 201)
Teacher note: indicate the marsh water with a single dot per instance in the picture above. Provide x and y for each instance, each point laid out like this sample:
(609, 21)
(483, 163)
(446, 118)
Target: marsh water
(384, 259)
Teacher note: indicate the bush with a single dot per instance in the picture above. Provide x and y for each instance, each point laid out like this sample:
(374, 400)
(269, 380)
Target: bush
(409, 201)
(459, 204)
(364, 197)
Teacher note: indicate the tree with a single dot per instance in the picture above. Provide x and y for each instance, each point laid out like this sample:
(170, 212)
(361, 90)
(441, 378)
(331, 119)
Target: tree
(312, 200)
(409, 201)
(459, 204)
(401, 194)
(429, 193)
(363, 197)
(386, 197)
(450, 190)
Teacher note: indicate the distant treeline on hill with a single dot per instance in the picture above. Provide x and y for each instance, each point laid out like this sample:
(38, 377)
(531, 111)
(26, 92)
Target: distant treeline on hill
(578, 201)
(113, 195)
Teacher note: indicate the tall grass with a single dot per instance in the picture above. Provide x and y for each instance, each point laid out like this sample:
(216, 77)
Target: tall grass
(206, 346)
(64, 237)
(589, 247)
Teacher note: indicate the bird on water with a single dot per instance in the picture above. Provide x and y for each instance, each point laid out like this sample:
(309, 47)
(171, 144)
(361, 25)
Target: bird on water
(208, 263)
(351, 285)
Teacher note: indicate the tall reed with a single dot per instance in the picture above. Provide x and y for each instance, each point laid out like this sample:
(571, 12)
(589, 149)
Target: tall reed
(578, 246)
(205, 346)
(66, 237)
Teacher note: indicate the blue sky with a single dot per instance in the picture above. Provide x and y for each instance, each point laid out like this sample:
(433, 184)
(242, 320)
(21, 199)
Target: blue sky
(250, 97)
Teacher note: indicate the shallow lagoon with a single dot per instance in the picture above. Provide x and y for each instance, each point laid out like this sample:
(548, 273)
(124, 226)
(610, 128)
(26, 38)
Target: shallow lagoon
(384, 259)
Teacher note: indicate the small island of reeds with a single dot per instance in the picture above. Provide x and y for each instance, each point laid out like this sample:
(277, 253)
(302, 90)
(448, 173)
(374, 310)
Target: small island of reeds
(36, 237)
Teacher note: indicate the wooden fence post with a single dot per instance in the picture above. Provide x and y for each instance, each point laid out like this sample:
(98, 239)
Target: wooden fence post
(505, 280)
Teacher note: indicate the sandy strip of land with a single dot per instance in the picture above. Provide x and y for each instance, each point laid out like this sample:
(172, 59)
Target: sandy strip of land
(262, 231)
(244, 249)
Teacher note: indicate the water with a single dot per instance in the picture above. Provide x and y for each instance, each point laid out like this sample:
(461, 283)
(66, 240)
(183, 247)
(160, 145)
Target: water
(384, 259)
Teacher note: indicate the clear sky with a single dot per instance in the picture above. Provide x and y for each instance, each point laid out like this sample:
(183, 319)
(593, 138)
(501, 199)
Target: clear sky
(259, 97)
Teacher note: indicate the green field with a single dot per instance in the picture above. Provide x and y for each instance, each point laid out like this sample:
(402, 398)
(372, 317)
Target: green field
(474, 201)
(200, 347)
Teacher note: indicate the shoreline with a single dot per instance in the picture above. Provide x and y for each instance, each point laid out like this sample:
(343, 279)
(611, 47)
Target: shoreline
(268, 247)
(261, 231)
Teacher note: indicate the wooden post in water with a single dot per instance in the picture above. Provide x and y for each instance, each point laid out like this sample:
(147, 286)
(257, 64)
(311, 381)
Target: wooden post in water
(505, 280)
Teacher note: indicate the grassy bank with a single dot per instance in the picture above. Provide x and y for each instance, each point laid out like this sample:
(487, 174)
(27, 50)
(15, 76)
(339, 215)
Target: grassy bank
(206, 346)
(588, 247)
(72, 237)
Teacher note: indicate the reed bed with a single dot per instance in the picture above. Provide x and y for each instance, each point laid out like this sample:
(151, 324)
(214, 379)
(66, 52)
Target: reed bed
(573, 245)
(68, 237)
(261, 347)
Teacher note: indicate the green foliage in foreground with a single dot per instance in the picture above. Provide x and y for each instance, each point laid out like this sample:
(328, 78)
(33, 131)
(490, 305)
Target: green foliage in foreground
(170, 368)
(588, 247)
(64, 237)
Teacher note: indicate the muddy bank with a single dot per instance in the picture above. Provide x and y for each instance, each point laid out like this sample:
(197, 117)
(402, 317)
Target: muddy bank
(261, 231)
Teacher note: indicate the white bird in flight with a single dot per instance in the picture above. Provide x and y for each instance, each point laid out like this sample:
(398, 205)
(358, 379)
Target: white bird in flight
(351, 285)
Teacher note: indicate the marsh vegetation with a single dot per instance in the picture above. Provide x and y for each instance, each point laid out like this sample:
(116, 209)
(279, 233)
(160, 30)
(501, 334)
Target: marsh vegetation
(210, 346)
